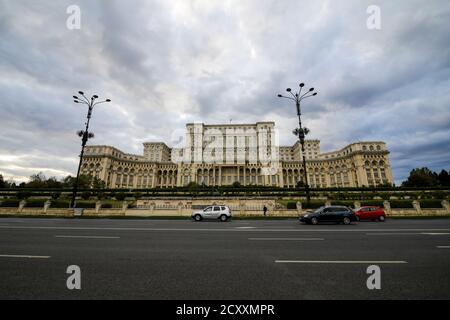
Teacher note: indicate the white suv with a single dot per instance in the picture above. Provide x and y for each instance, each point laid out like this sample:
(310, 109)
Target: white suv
(223, 213)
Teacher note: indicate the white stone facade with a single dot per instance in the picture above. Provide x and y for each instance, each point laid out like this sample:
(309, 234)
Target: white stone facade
(248, 153)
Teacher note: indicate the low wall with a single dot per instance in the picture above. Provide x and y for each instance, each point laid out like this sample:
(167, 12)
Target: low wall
(184, 208)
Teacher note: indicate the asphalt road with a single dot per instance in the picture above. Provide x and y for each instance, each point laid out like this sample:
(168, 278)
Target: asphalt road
(242, 259)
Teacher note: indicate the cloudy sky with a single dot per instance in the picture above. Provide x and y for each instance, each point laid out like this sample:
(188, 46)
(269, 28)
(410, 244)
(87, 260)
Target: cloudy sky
(165, 63)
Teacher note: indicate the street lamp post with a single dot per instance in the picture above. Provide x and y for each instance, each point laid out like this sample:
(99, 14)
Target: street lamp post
(85, 135)
(300, 131)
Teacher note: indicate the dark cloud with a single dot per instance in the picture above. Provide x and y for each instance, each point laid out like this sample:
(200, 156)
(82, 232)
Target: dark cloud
(168, 63)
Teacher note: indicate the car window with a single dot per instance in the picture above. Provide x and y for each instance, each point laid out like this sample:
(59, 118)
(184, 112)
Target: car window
(223, 208)
(208, 209)
(216, 208)
(318, 210)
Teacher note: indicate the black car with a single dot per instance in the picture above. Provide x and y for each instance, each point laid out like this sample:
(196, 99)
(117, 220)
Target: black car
(336, 214)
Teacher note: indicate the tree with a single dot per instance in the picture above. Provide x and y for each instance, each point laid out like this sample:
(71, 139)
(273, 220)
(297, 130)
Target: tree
(421, 177)
(97, 183)
(192, 186)
(444, 178)
(85, 181)
(2, 182)
(236, 184)
(120, 196)
(300, 184)
(37, 181)
(53, 183)
(85, 195)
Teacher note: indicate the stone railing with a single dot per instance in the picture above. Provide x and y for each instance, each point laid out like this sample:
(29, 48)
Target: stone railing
(240, 208)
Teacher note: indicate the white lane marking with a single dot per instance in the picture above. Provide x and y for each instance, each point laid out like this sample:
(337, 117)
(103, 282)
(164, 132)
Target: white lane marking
(434, 233)
(392, 234)
(339, 262)
(308, 230)
(245, 227)
(286, 239)
(443, 247)
(23, 256)
(87, 237)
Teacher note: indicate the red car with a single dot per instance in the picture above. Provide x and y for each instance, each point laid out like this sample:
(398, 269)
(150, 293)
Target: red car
(371, 213)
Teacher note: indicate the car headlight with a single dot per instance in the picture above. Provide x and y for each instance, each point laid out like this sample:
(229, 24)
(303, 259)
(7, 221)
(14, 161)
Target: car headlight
(306, 216)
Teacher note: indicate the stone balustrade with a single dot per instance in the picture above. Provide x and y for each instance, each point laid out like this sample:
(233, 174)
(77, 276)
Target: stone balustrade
(184, 207)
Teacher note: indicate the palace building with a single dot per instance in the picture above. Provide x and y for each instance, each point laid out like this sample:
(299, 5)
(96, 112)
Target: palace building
(217, 155)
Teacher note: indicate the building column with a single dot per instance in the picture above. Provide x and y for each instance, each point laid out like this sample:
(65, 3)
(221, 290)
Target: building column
(155, 173)
(280, 178)
(388, 172)
(113, 179)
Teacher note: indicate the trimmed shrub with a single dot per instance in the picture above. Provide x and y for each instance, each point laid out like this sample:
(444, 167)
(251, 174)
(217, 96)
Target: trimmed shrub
(56, 195)
(291, 205)
(312, 204)
(378, 203)
(431, 203)
(106, 205)
(346, 203)
(23, 195)
(60, 204)
(401, 204)
(101, 195)
(440, 195)
(120, 196)
(10, 203)
(85, 204)
(85, 195)
(35, 203)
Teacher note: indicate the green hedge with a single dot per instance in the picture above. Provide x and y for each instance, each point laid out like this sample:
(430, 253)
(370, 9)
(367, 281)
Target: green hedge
(85, 205)
(313, 204)
(60, 204)
(9, 203)
(291, 205)
(347, 203)
(378, 203)
(35, 203)
(401, 204)
(431, 203)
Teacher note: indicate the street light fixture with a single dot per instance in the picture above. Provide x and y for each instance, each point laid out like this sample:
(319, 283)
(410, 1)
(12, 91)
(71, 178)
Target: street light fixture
(301, 132)
(85, 135)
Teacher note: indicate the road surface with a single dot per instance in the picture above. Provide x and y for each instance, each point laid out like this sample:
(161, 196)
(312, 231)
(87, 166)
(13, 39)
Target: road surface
(241, 259)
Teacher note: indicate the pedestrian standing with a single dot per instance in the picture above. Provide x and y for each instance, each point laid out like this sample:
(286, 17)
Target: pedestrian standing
(265, 210)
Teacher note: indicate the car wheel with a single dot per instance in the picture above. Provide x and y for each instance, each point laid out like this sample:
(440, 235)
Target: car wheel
(314, 221)
(346, 220)
(382, 218)
(198, 217)
(223, 218)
